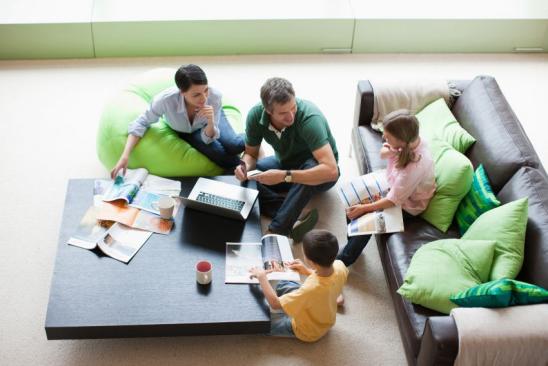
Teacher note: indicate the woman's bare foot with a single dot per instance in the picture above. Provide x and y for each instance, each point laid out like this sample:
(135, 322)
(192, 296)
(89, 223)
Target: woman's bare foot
(340, 300)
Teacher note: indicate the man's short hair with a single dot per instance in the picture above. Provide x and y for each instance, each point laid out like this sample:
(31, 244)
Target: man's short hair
(321, 247)
(276, 90)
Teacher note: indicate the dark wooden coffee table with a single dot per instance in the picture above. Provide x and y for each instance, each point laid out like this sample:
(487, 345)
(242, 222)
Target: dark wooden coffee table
(156, 294)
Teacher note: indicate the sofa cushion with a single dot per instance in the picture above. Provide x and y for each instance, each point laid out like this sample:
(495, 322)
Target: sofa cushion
(478, 200)
(501, 293)
(367, 145)
(437, 122)
(502, 144)
(454, 174)
(443, 268)
(533, 184)
(506, 226)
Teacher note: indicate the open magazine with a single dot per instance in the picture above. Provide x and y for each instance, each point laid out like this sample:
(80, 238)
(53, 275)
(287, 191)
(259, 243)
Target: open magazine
(141, 190)
(271, 253)
(367, 189)
(117, 241)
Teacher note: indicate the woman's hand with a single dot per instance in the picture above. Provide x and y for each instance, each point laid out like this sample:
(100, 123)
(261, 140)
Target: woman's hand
(270, 177)
(207, 112)
(120, 165)
(353, 212)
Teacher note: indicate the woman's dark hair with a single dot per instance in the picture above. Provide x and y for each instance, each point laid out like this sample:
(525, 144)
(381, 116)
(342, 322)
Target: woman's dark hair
(276, 90)
(188, 75)
(321, 247)
(405, 127)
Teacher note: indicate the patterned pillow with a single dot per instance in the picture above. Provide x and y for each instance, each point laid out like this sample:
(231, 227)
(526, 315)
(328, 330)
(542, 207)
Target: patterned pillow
(501, 293)
(479, 200)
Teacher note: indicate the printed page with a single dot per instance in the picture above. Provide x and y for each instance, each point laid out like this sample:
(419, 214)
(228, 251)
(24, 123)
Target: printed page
(126, 187)
(89, 231)
(364, 189)
(240, 258)
(146, 201)
(389, 220)
(159, 185)
(122, 242)
(276, 252)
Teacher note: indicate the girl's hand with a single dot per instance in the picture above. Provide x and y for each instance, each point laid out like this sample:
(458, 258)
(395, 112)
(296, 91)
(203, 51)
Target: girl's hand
(270, 177)
(358, 210)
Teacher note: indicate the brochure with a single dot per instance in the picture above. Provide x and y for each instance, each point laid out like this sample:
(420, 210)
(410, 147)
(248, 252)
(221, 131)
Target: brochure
(367, 189)
(271, 253)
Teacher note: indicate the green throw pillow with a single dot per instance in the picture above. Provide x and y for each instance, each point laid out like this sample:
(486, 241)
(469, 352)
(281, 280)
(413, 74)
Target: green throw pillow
(501, 293)
(454, 175)
(444, 268)
(506, 225)
(480, 199)
(437, 121)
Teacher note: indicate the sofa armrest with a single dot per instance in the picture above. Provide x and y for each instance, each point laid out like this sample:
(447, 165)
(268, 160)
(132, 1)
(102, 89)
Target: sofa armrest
(363, 109)
(440, 342)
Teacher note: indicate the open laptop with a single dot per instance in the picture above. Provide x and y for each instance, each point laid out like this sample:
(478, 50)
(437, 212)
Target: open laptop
(221, 198)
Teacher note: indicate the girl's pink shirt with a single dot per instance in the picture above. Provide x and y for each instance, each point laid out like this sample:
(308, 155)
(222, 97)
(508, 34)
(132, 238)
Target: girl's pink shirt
(413, 186)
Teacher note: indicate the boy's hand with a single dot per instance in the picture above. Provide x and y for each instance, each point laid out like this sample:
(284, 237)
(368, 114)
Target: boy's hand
(258, 273)
(298, 266)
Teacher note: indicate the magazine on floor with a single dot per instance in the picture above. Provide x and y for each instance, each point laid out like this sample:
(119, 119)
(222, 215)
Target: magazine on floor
(273, 252)
(370, 188)
(113, 239)
(141, 190)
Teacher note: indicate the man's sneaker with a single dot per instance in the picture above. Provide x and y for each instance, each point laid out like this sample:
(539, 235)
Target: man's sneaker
(305, 225)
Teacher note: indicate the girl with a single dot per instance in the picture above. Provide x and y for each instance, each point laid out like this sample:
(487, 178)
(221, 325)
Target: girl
(193, 109)
(410, 172)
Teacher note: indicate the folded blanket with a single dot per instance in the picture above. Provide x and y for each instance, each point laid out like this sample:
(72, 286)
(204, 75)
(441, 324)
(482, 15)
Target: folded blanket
(515, 335)
(407, 94)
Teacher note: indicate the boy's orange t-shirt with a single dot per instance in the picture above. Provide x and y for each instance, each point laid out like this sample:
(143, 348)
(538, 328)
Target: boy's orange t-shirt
(313, 307)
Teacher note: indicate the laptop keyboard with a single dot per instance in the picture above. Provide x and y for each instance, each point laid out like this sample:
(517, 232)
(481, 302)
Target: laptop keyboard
(219, 201)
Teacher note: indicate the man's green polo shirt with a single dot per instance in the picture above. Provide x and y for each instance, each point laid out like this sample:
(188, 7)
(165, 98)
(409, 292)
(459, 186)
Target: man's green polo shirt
(309, 132)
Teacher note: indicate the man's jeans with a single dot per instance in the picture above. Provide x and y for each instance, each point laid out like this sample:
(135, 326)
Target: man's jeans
(225, 151)
(286, 210)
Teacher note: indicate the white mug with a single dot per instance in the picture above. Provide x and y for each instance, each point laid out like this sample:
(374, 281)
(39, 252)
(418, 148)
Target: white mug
(204, 272)
(165, 205)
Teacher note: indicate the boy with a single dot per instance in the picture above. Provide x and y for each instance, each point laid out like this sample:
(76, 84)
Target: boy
(310, 309)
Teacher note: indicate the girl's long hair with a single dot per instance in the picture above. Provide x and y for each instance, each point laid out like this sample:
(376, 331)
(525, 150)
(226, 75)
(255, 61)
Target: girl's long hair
(405, 127)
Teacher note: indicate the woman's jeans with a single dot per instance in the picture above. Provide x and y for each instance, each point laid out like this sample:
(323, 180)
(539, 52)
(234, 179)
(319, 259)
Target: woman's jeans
(285, 210)
(225, 151)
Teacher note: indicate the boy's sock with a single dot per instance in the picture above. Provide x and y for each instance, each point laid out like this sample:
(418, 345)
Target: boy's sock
(304, 225)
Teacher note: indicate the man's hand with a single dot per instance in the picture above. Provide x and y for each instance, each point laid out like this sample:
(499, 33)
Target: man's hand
(206, 111)
(258, 273)
(298, 266)
(270, 177)
(120, 165)
(353, 212)
(240, 173)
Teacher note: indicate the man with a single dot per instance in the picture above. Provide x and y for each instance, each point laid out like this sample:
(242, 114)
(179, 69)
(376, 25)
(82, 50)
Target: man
(305, 162)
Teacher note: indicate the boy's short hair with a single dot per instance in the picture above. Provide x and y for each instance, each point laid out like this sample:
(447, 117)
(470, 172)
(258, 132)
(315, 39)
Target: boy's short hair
(321, 247)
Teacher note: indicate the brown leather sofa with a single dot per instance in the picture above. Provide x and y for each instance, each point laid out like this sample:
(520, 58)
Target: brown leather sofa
(515, 171)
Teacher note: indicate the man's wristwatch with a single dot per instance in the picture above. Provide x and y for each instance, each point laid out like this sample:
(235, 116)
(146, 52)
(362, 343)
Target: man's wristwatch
(288, 177)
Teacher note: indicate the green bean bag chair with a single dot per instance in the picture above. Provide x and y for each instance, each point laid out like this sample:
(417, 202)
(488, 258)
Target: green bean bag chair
(161, 151)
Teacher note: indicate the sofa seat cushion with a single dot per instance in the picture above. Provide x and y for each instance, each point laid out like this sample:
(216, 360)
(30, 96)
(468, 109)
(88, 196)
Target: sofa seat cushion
(503, 146)
(531, 183)
(367, 146)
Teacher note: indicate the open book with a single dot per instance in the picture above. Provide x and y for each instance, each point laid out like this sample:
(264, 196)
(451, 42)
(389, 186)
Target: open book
(141, 190)
(367, 189)
(117, 241)
(270, 253)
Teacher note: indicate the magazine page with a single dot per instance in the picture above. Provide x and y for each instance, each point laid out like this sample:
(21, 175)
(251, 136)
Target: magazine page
(275, 252)
(271, 254)
(240, 257)
(89, 231)
(122, 242)
(146, 201)
(126, 187)
(159, 185)
(389, 220)
(364, 189)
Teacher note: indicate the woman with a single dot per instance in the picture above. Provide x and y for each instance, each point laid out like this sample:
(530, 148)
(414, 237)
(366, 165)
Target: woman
(193, 109)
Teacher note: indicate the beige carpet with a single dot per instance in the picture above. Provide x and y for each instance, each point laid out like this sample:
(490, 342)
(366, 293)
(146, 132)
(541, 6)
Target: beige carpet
(48, 120)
